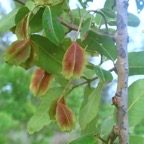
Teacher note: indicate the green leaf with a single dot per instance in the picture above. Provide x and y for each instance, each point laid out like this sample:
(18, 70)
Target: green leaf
(21, 14)
(8, 21)
(61, 80)
(133, 21)
(109, 4)
(87, 91)
(136, 139)
(41, 117)
(30, 5)
(138, 129)
(50, 55)
(91, 108)
(99, 19)
(78, 14)
(135, 102)
(48, 2)
(87, 139)
(36, 21)
(107, 125)
(108, 12)
(136, 64)
(52, 27)
(85, 27)
(56, 2)
(101, 44)
(91, 127)
(103, 75)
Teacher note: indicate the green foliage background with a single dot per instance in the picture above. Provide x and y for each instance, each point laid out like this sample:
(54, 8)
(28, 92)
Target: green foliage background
(17, 104)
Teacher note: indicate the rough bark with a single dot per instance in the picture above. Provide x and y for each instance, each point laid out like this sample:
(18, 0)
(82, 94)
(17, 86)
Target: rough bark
(120, 99)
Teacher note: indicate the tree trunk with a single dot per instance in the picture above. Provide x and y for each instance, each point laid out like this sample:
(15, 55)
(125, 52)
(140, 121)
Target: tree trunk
(121, 38)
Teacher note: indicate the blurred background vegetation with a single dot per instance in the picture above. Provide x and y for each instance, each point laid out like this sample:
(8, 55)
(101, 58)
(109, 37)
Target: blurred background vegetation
(17, 105)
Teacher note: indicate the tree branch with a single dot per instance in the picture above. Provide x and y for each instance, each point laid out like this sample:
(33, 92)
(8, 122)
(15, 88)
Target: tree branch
(75, 27)
(113, 135)
(121, 38)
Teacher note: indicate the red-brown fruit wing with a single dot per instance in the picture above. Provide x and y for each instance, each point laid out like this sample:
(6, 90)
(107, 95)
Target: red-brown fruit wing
(65, 117)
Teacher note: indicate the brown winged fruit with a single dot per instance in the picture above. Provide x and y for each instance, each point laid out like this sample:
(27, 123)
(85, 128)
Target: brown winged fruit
(22, 53)
(40, 82)
(64, 116)
(74, 61)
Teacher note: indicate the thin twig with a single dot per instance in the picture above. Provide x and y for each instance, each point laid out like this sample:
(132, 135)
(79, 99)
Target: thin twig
(83, 83)
(20, 1)
(104, 18)
(80, 25)
(98, 137)
(113, 135)
(75, 27)
(88, 81)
